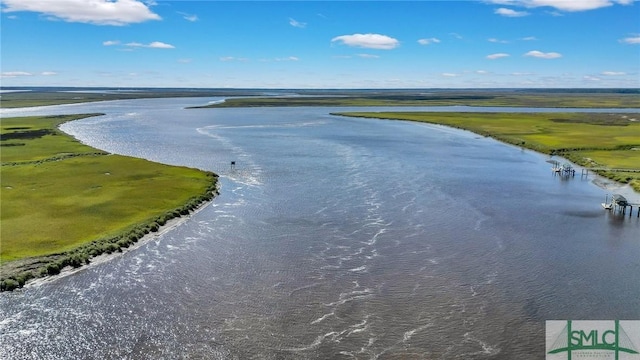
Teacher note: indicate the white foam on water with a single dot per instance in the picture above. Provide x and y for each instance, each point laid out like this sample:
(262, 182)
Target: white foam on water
(247, 171)
(487, 349)
(273, 126)
(408, 334)
(318, 340)
(351, 296)
(305, 287)
(323, 317)
(362, 268)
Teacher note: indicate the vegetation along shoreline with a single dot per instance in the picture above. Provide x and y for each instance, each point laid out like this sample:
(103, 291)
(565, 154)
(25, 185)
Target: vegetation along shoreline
(607, 142)
(65, 203)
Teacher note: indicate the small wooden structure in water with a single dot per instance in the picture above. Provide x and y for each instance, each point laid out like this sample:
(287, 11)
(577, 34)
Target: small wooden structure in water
(565, 169)
(619, 203)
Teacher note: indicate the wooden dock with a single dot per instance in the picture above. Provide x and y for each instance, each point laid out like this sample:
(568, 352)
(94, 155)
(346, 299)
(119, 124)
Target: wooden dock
(618, 203)
(565, 169)
(612, 202)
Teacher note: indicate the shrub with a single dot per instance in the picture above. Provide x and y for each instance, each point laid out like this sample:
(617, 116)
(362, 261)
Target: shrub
(124, 243)
(24, 277)
(8, 285)
(78, 259)
(110, 248)
(53, 268)
(93, 251)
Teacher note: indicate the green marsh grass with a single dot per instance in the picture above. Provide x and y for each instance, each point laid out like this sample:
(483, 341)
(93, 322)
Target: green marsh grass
(467, 98)
(66, 199)
(42, 137)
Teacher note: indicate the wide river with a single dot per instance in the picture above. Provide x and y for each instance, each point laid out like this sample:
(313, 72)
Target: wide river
(335, 238)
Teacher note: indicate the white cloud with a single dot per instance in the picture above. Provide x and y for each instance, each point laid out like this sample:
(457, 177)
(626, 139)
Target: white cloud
(295, 23)
(184, 61)
(591, 78)
(510, 13)
(529, 38)
(576, 5)
(613, 73)
(494, 40)
(563, 5)
(48, 73)
(189, 17)
(160, 45)
(12, 74)
(482, 72)
(283, 59)
(497, 56)
(153, 45)
(368, 56)
(573, 5)
(631, 40)
(428, 41)
(99, 12)
(289, 58)
(541, 55)
(369, 41)
(232, 58)
(449, 74)
(111, 42)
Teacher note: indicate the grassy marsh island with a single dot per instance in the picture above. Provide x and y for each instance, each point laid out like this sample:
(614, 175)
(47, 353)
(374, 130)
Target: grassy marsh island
(593, 140)
(559, 98)
(28, 97)
(576, 98)
(64, 202)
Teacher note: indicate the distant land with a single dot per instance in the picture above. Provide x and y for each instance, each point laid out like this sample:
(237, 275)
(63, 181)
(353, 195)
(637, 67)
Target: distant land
(12, 97)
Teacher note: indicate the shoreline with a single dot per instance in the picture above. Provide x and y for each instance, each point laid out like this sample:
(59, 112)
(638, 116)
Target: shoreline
(604, 180)
(18, 273)
(104, 258)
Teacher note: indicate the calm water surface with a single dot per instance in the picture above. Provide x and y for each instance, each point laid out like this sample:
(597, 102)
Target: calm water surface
(335, 238)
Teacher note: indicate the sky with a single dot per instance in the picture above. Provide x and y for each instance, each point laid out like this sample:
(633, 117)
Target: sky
(321, 44)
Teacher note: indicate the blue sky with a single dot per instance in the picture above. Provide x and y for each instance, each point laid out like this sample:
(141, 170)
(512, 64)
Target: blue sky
(321, 44)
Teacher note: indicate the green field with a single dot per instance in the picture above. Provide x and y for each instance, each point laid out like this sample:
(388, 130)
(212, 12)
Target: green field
(594, 140)
(566, 99)
(63, 198)
(59, 96)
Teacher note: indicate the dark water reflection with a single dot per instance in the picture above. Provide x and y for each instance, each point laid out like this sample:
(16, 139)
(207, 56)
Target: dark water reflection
(336, 238)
